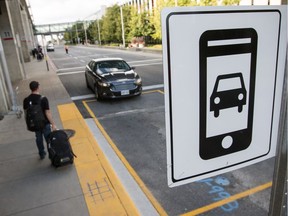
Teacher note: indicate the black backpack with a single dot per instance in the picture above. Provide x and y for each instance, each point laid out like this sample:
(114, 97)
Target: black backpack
(59, 148)
(35, 118)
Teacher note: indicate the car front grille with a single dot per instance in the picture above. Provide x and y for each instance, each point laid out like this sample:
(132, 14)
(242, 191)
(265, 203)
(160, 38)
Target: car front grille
(120, 87)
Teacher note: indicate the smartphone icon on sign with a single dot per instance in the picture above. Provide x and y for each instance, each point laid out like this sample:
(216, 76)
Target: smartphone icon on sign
(227, 86)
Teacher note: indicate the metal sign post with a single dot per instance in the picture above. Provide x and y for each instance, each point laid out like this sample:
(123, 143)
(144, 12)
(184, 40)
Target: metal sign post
(279, 188)
(45, 54)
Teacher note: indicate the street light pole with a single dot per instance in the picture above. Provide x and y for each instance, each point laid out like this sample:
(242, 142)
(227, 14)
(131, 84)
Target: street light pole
(122, 24)
(84, 23)
(76, 33)
(99, 35)
(45, 54)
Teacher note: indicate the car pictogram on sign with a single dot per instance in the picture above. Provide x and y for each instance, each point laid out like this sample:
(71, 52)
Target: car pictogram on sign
(223, 98)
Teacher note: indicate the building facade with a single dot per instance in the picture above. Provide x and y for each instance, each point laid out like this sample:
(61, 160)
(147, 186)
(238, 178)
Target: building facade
(16, 42)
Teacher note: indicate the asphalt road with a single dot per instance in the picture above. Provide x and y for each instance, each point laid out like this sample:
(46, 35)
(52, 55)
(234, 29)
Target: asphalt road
(137, 128)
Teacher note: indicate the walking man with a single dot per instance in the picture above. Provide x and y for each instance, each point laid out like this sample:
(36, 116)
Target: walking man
(66, 49)
(34, 99)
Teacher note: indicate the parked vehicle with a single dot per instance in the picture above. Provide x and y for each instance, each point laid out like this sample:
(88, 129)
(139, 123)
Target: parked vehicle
(112, 78)
(50, 47)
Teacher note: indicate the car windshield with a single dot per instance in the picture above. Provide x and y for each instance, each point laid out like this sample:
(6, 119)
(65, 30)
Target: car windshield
(229, 84)
(113, 66)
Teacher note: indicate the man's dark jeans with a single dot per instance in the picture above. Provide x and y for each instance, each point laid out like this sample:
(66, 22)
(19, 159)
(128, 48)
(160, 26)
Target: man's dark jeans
(39, 139)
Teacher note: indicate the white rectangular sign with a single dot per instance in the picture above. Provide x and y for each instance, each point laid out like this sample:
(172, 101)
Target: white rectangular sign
(223, 74)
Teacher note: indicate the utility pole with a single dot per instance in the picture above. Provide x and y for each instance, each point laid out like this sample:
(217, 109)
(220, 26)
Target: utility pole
(122, 25)
(76, 33)
(84, 23)
(99, 35)
(45, 53)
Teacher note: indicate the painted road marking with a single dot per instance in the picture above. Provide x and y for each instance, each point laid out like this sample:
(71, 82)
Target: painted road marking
(69, 73)
(83, 67)
(88, 96)
(228, 200)
(67, 69)
(144, 65)
(83, 97)
(149, 195)
(93, 169)
(140, 200)
(152, 199)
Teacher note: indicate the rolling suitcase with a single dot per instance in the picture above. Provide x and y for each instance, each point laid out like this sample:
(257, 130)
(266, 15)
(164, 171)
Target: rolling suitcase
(39, 56)
(59, 148)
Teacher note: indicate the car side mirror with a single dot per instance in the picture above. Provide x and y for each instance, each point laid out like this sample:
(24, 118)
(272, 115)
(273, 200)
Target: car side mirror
(133, 68)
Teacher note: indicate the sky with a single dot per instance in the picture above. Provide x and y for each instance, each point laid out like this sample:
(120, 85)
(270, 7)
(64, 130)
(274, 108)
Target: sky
(61, 11)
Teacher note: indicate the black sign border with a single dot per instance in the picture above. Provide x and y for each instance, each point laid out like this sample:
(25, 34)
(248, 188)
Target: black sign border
(174, 180)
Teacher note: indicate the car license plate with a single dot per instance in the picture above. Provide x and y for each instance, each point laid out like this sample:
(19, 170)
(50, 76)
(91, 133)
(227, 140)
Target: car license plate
(125, 92)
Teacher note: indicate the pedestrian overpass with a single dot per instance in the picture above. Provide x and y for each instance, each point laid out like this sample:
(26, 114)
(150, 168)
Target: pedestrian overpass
(60, 28)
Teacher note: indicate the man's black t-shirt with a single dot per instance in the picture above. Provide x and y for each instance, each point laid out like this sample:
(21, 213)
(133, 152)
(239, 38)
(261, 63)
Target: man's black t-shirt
(34, 99)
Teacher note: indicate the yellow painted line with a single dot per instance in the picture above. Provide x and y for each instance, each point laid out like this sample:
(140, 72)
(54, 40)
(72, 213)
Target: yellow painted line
(230, 199)
(103, 192)
(152, 91)
(141, 184)
(149, 195)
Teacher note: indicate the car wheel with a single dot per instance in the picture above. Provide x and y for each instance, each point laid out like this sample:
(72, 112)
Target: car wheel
(87, 84)
(216, 113)
(97, 96)
(240, 108)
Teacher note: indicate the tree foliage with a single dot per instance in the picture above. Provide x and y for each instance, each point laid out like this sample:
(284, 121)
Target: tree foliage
(230, 2)
(140, 24)
(136, 23)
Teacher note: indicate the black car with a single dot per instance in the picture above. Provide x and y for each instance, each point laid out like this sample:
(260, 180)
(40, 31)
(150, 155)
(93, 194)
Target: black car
(112, 78)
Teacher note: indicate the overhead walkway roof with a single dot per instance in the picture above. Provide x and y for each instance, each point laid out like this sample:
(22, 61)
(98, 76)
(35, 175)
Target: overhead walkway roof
(48, 29)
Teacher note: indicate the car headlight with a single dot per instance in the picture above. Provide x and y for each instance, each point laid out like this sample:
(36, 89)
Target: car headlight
(138, 81)
(240, 96)
(216, 100)
(104, 84)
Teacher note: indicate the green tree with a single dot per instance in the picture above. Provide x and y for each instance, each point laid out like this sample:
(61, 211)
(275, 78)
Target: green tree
(136, 24)
(186, 3)
(230, 2)
(140, 24)
(208, 3)
(92, 32)
(156, 18)
(67, 35)
(76, 29)
(126, 12)
(110, 24)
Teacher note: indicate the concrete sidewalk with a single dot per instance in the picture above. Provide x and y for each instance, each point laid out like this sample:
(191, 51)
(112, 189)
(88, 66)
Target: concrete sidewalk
(30, 186)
